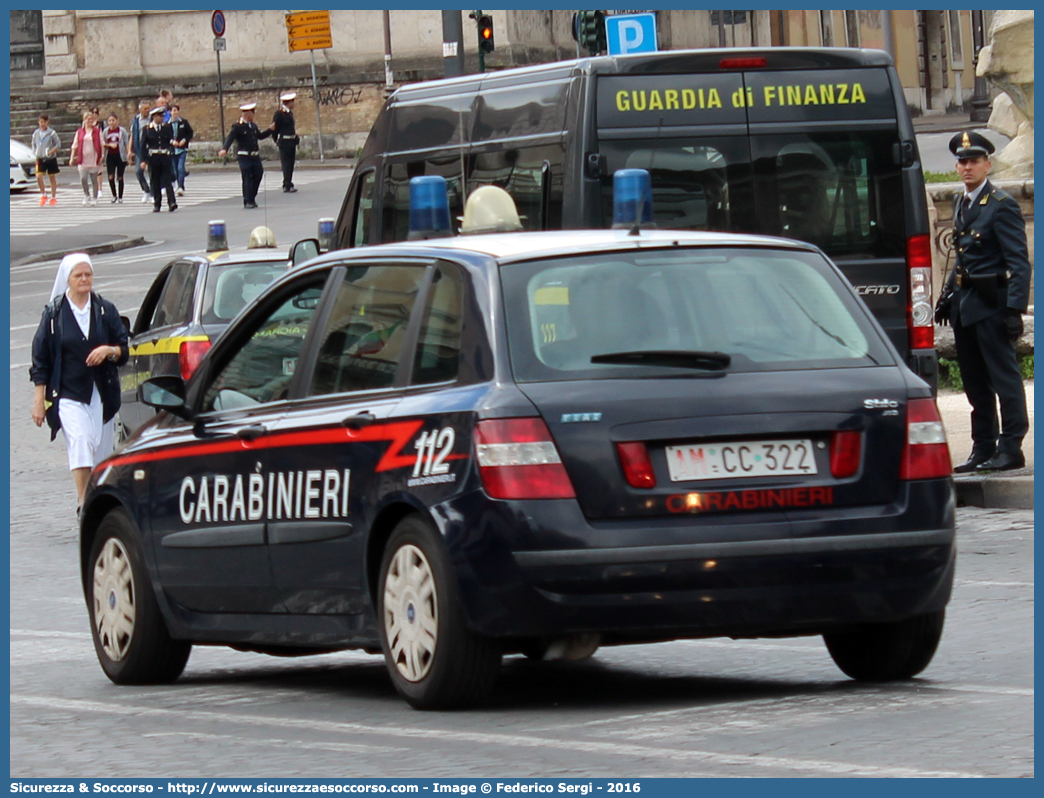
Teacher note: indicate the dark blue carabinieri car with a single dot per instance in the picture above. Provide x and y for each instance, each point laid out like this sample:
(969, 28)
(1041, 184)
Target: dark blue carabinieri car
(532, 443)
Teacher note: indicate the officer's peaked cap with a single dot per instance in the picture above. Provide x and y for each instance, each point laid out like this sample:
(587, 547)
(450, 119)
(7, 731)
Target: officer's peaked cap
(290, 95)
(970, 144)
(248, 106)
(159, 109)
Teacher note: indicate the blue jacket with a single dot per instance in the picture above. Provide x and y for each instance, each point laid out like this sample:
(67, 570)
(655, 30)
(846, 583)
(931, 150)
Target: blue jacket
(990, 242)
(47, 356)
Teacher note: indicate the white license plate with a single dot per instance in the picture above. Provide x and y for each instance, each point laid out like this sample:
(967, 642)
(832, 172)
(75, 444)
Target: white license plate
(740, 460)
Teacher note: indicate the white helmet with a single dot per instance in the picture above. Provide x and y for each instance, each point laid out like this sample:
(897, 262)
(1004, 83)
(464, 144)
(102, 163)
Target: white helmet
(261, 238)
(490, 209)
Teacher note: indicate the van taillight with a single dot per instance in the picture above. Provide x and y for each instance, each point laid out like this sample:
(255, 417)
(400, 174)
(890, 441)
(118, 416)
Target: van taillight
(919, 313)
(517, 459)
(637, 468)
(190, 353)
(742, 63)
(925, 453)
(845, 453)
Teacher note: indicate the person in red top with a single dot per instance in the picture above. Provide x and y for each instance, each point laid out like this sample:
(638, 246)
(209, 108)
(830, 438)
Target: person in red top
(87, 156)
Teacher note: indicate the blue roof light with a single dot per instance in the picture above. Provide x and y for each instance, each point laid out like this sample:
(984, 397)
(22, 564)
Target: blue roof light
(217, 235)
(632, 198)
(429, 208)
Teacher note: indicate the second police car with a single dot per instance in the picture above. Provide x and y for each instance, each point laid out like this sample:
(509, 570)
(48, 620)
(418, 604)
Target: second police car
(189, 304)
(451, 450)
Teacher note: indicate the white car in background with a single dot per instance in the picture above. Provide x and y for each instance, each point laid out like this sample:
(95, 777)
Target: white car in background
(23, 167)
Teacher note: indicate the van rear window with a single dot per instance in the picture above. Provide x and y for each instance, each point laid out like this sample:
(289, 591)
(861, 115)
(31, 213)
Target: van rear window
(768, 310)
(839, 190)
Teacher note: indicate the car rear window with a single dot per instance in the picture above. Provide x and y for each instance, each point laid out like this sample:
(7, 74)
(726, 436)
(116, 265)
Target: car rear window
(232, 286)
(766, 309)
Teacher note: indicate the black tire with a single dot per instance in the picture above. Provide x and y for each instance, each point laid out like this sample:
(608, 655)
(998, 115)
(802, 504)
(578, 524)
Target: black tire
(130, 635)
(881, 652)
(434, 660)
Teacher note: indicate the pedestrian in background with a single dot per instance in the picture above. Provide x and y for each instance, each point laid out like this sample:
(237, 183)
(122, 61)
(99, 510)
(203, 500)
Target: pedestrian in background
(164, 101)
(116, 141)
(247, 136)
(77, 351)
(96, 113)
(45, 149)
(984, 298)
(285, 132)
(158, 153)
(137, 156)
(181, 132)
(86, 155)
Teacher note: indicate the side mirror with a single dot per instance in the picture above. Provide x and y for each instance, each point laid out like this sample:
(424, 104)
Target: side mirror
(126, 324)
(304, 250)
(165, 393)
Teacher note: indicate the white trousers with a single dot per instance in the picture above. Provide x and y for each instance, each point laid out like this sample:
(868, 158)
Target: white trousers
(88, 440)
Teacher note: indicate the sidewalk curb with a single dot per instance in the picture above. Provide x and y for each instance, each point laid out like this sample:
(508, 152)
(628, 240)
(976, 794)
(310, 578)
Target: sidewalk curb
(97, 249)
(1008, 493)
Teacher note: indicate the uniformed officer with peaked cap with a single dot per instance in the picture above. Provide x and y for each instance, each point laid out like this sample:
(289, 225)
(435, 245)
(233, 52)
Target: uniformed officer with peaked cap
(984, 298)
(158, 151)
(247, 135)
(285, 132)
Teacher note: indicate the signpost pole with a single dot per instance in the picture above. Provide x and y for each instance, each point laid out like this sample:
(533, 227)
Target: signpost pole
(221, 96)
(318, 120)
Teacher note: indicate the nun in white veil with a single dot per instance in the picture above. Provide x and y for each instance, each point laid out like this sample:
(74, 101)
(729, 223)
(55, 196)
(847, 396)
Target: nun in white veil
(77, 350)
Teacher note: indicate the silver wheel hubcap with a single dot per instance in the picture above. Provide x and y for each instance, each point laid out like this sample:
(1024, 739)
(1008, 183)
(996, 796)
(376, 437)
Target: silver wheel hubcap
(411, 613)
(114, 600)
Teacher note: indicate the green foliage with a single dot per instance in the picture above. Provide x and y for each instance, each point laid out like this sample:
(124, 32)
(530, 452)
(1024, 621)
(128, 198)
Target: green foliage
(941, 177)
(950, 374)
(1026, 366)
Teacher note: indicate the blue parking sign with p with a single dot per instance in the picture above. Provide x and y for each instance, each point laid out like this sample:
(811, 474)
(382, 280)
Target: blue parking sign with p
(631, 33)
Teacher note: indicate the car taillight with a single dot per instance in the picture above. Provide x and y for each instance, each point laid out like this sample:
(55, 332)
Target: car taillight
(845, 453)
(190, 353)
(919, 314)
(925, 453)
(637, 468)
(518, 459)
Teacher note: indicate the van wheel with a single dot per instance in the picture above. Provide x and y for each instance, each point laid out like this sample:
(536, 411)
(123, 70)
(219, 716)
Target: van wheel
(434, 660)
(880, 652)
(130, 635)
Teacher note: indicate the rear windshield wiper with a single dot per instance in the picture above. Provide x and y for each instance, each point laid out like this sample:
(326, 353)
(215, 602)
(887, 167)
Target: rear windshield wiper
(675, 358)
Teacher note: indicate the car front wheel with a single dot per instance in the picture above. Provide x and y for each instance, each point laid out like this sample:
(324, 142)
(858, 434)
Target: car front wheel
(434, 660)
(880, 652)
(130, 635)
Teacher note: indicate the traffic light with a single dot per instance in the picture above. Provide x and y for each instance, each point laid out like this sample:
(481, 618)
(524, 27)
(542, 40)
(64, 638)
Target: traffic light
(485, 31)
(591, 31)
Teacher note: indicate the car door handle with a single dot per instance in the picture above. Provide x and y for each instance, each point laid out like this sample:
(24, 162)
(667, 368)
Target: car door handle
(363, 419)
(251, 433)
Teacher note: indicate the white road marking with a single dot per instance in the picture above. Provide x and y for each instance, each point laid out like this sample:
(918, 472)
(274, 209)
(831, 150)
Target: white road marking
(475, 738)
(977, 583)
(310, 746)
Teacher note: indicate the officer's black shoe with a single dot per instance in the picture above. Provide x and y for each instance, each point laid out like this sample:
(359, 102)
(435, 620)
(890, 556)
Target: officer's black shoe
(1002, 461)
(292, 190)
(972, 464)
(250, 205)
(172, 208)
(157, 210)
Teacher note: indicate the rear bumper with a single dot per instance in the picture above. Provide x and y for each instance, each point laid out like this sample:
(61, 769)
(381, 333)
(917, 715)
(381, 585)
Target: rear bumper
(540, 568)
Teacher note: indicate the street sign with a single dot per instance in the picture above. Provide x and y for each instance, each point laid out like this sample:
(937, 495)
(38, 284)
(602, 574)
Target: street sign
(308, 30)
(220, 45)
(631, 33)
(217, 24)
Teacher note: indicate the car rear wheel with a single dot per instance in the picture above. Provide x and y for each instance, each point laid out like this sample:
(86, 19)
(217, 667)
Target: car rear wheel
(434, 660)
(879, 652)
(130, 635)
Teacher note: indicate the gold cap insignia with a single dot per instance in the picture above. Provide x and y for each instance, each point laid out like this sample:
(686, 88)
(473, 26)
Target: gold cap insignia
(965, 140)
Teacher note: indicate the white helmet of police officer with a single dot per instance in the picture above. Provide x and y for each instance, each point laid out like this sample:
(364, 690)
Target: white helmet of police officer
(490, 209)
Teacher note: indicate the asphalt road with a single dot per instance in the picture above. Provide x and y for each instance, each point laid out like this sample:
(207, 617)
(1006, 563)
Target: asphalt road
(709, 708)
